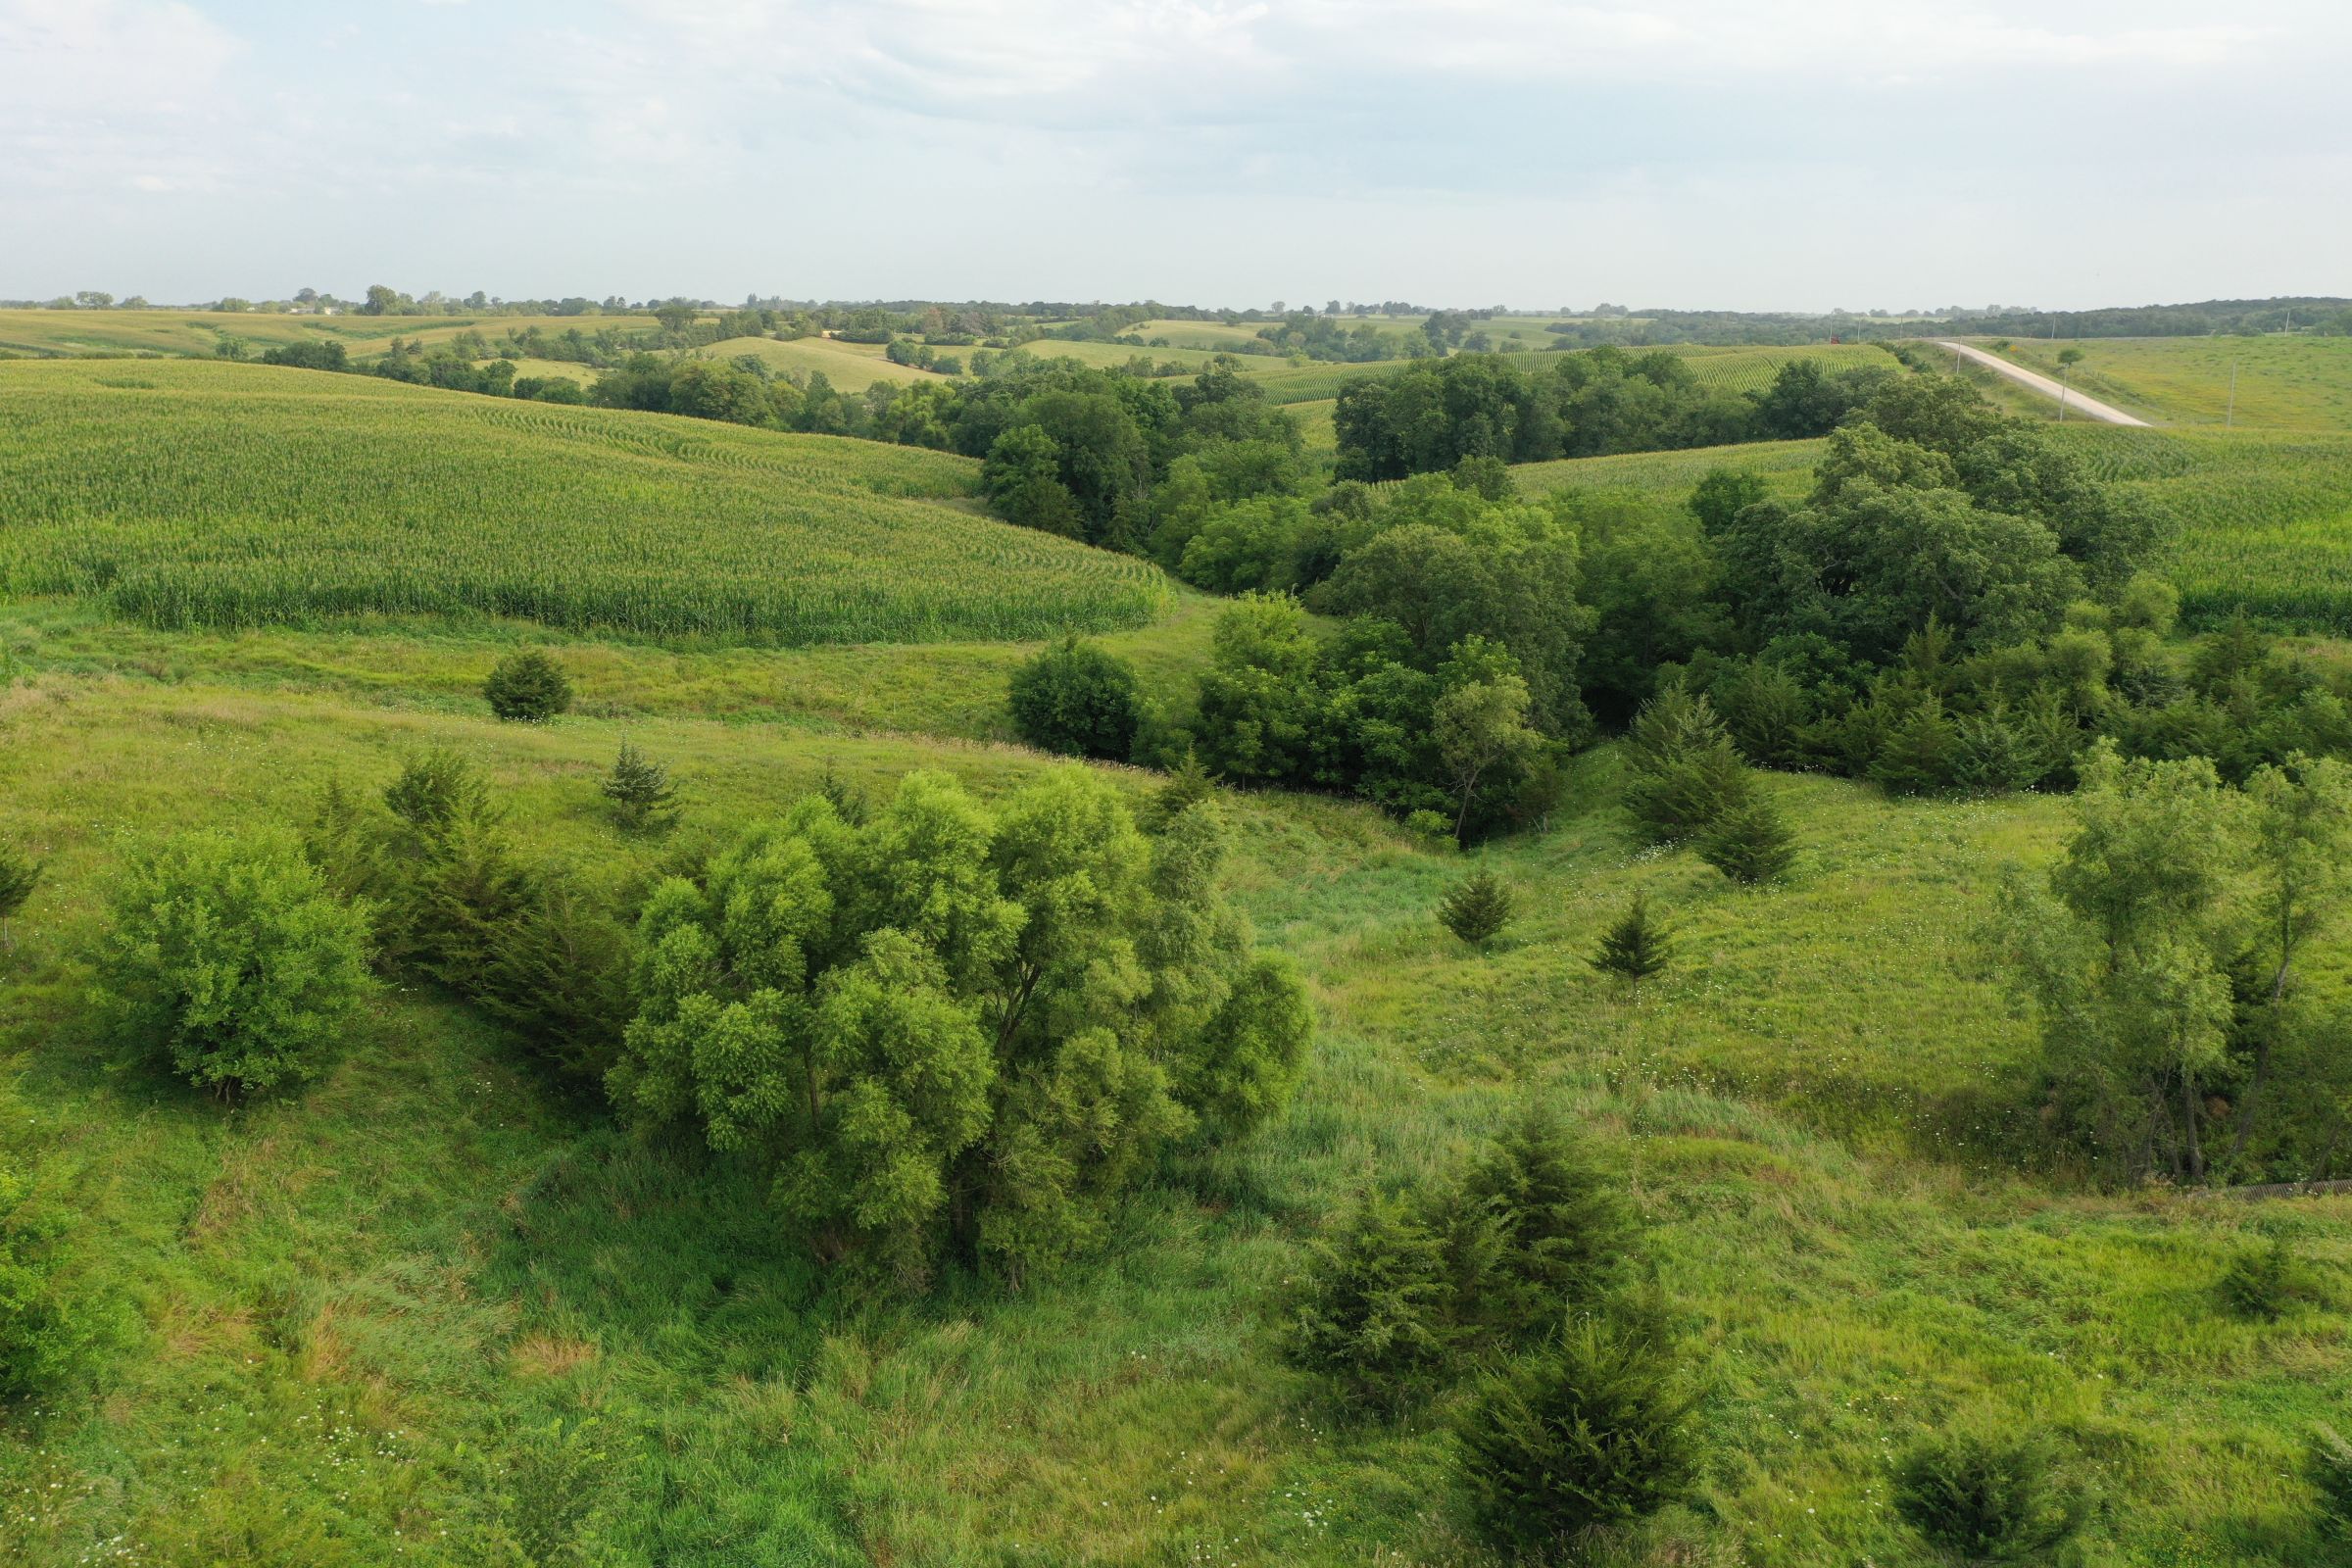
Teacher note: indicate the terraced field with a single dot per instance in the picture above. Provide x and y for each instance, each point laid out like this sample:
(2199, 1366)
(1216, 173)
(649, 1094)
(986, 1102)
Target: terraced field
(184, 494)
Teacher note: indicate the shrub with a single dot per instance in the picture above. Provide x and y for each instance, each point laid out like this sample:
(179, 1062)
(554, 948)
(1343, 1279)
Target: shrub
(42, 1339)
(526, 686)
(1750, 842)
(639, 789)
(1637, 945)
(2263, 1282)
(235, 957)
(1377, 1312)
(1593, 1429)
(18, 877)
(1985, 1495)
(1078, 700)
(2327, 1463)
(1478, 909)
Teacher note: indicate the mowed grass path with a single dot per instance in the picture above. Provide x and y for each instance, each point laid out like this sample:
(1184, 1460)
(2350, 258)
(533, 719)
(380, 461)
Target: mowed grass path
(229, 496)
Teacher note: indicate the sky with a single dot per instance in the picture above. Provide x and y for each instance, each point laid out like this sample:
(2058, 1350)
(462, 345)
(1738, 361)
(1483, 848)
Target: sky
(1700, 154)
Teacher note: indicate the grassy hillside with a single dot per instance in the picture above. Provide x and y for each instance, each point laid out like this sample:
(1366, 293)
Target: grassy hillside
(2286, 384)
(1786, 466)
(339, 1308)
(223, 495)
(850, 367)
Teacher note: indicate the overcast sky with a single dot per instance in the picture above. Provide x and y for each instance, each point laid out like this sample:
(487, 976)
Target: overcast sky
(1735, 154)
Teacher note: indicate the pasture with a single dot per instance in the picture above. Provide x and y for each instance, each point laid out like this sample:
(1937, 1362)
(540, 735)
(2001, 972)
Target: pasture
(2283, 383)
(226, 496)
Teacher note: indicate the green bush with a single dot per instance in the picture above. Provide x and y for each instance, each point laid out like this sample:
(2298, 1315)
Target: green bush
(1750, 842)
(42, 1339)
(2263, 1282)
(235, 957)
(1478, 909)
(1593, 1429)
(1077, 700)
(1986, 1494)
(526, 687)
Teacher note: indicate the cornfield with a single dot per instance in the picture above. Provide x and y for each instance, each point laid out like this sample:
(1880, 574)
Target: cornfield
(184, 494)
(2265, 518)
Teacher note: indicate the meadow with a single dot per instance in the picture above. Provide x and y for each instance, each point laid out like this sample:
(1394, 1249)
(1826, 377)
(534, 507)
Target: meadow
(338, 1309)
(225, 494)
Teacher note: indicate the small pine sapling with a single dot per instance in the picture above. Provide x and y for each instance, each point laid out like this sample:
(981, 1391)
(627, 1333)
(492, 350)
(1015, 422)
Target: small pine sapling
(1750, 843)
(1478, 909)
(640, 790)
(1638, 944)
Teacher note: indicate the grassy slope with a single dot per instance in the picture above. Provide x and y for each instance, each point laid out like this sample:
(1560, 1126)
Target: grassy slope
(850, 367)
(239, 495)
(336, 1301)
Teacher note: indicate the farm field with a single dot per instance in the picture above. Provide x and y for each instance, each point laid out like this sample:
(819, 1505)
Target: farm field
(333, 1302)
(850, 367)
(2285, 383)
(1786, 466)
(197, 333)
(2265, 518)
(205, 494)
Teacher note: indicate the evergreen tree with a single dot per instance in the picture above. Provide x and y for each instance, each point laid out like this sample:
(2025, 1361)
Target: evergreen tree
(1378, 1312)
(1920, 751)
(1478, 909)
(1595, 1428)
(1987, 1495)
(1560, 1224)
(1636, 945)
(639, 789)
(527, 686)
(1685, 770)
(18, 877)
(1189, 784)
(1750, 843)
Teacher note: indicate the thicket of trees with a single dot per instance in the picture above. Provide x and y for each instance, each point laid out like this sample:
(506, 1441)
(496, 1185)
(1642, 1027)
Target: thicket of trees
(1429, 417)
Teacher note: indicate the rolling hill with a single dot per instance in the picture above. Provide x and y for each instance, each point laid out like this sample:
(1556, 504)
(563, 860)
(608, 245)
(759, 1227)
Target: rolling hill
(229, 495)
